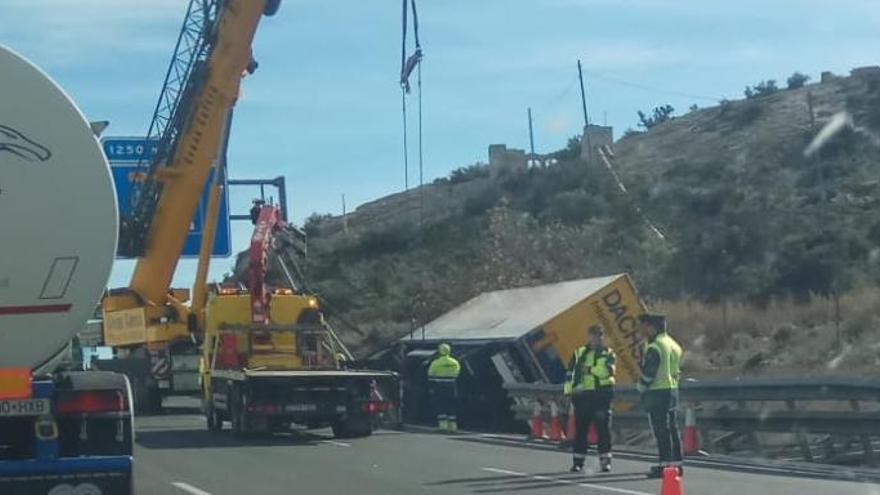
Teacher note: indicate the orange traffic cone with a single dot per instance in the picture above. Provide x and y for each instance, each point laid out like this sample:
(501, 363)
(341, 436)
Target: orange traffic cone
(537, 423)
(556, 433)
(690, 440)
(593, 437)
(671, 482)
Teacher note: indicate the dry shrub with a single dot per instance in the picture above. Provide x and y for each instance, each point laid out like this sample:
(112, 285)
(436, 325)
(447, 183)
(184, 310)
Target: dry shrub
(785, 334)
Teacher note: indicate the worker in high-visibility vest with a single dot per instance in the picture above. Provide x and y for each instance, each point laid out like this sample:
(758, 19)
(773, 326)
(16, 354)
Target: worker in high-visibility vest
(442, 374)
(658, 386)
(590, 384)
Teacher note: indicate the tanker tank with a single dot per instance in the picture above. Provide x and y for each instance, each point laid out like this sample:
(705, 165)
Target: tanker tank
(58, 217)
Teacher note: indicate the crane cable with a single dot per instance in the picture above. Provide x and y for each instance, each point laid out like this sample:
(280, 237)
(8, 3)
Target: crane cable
(407, 65)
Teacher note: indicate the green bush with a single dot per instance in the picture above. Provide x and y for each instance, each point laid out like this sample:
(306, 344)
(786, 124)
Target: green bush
(763, 88)
(478, 204)
(745, 114)
(571, 207)
(314, 221)
(843, 144)
(661, 114)
(797, 80)
(465, 174)
(572, 150)
(866, 107)
(858, 325)
(376, 243)
(783, 334)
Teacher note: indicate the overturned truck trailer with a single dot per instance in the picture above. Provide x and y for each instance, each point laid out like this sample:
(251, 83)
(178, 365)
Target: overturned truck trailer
(524, 335)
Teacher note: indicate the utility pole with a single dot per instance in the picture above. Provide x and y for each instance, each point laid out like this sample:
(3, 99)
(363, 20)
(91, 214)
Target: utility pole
(344, 216)
(583, 94)
(586, 117)
(531, 135)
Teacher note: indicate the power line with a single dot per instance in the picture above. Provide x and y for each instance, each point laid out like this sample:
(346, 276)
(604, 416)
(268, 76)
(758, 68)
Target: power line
(405, 145)
(554, 100)
(654, 89)
(421, 154)
(407, 65)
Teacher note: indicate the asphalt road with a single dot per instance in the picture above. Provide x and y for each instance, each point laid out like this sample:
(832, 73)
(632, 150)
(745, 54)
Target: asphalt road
(175, 454)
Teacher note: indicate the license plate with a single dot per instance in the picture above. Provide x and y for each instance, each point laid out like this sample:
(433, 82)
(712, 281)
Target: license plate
(301, 408)
(24, 407)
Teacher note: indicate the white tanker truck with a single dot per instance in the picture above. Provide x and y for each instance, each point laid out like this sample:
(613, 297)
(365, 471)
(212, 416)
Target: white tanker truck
(61, 432)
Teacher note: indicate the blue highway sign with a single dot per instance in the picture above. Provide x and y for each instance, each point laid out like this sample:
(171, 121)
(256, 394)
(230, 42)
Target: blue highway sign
(123, 153)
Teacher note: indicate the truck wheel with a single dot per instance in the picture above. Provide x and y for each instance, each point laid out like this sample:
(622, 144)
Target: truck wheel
(154, 400)
(353, 428)
(215, 422)
(148, 400)
(236, 420)
(237, 414)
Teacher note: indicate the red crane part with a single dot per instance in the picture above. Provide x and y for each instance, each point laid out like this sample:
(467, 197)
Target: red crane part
(267, 219)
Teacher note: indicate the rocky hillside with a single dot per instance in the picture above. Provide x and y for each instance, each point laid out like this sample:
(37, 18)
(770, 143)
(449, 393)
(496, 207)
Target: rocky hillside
(746, 217)
(746, 212)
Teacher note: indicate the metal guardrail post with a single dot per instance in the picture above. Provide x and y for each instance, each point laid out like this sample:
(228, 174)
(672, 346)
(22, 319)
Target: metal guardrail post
(801, 436)
(865, 438)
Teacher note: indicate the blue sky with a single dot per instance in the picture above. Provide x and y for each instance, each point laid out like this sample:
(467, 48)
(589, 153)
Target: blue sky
(324, 107)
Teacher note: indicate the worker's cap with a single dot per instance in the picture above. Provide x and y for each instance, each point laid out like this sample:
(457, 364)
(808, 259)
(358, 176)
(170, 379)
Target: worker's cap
(654, 320)
(444, 349)
(596, 330)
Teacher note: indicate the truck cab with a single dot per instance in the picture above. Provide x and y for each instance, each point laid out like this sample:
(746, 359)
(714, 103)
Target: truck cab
(269, 376)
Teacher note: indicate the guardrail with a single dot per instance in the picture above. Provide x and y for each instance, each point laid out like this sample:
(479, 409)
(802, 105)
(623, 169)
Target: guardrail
(844, 410)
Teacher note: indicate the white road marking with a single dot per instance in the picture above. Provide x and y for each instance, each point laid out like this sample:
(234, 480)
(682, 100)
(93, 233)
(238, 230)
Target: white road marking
(564, 481)
(338, 444)
(189, 488)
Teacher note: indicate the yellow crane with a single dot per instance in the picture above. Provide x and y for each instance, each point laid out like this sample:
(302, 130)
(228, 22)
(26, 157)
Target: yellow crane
(154, 332)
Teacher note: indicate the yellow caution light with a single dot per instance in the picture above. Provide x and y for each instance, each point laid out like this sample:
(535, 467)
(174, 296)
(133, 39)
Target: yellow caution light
(313, 302)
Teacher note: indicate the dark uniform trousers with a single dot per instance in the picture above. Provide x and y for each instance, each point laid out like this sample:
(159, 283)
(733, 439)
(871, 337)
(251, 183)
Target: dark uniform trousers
(443, 392)
(661, 406)
(592, 406)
